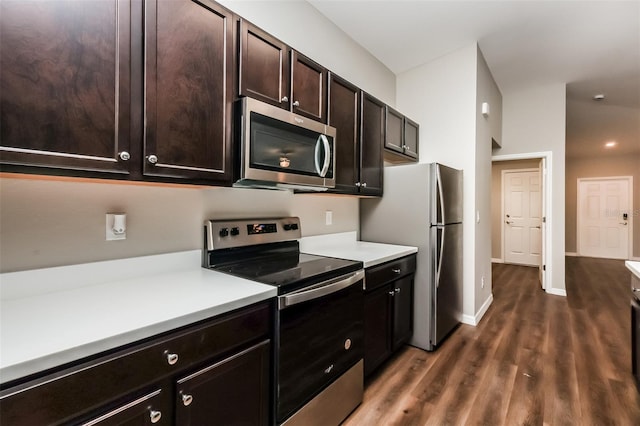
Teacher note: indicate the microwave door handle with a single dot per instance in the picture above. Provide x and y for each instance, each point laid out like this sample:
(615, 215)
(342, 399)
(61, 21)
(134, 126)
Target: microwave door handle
(324, 142)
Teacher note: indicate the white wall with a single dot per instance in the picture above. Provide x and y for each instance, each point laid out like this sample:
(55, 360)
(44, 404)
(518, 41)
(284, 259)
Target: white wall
(47, 222)
(487, 128)
(533, 120)
(441, 97)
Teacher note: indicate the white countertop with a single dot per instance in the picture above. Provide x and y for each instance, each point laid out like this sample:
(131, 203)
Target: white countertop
(634, 267)
(56, 315)
(345, 245)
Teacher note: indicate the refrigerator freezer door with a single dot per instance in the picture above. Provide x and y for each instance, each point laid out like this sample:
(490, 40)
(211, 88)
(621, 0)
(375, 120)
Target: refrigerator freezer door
(448, 195)
(447, 274)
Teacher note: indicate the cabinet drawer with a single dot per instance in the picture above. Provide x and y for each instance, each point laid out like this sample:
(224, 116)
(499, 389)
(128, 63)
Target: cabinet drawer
(389, 271)
(61, 396)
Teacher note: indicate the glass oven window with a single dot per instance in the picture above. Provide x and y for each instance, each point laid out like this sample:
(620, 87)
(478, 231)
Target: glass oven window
(282, 147)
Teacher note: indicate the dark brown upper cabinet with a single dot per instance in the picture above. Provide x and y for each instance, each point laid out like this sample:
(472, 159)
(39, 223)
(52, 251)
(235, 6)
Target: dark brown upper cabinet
(264, 66)
(272, 72)
(344, 115)
(394, 139)
(372, 135)
(189, 80)
(411, 138)
(308, 88)
(65, 97)
(401, 140)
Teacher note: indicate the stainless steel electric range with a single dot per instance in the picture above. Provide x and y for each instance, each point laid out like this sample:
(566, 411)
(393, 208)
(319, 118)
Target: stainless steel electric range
(319, 334)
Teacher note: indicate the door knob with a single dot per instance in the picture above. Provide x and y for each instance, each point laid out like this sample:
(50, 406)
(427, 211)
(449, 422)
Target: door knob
(508, 223)
(538, 227)
(508, 216)
(623, 223)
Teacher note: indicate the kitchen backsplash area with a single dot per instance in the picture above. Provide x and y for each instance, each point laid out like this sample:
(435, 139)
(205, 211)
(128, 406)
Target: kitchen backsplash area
(47, 223)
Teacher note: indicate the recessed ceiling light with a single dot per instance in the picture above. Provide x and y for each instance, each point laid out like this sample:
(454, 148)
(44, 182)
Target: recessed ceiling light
(610, 144)
(598, 97)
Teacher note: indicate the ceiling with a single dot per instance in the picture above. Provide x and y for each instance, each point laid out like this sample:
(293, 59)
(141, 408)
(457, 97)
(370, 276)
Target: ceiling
(593, 46)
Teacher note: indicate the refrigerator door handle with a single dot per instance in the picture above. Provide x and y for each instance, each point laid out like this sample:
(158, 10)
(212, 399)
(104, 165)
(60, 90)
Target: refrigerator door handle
(439, 260)
(440, 196)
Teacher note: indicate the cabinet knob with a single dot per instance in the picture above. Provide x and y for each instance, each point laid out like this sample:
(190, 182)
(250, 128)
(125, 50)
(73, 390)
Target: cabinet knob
(392, 293)
(364, 184)
(284, 99)
(296, 103)
(358, 184)
(171, 358)
(155, 416)
(396, 270)
(152, 159)
(124, 155)
(398, 290)
(187, 399)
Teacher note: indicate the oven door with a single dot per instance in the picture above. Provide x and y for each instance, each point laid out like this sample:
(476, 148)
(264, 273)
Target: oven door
(320, 337)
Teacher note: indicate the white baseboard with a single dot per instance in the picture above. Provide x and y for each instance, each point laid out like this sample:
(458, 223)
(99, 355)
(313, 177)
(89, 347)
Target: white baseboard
(571, 254)
(475, 320)
(494, 260)
(557, 291)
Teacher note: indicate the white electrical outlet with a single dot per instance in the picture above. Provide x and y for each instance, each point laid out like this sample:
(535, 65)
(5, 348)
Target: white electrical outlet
(328, 217)
(116, 226)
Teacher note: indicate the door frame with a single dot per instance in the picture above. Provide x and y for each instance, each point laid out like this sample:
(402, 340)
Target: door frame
(502, 228)
(629, 179)
(547, 209)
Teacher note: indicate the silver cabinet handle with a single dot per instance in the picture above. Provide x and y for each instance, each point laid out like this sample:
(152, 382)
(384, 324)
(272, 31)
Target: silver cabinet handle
(124, 156)
(396, 270)
(171, 358)
(284, 99)
(152, 159)
(187, 399)
(392, 293)
(155, 416)
(398, 290)
(296, 103)
(328, 369)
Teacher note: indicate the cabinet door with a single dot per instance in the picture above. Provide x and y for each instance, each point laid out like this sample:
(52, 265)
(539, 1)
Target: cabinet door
(234, 391)
(394, 134)
(635, 340)
(372, 140)
(344, 116)
(308, 88)
(402, 311)
(411, 140)
(189, 84)
(151, 409)
(377, 331)
(65, 85)
(264, 66)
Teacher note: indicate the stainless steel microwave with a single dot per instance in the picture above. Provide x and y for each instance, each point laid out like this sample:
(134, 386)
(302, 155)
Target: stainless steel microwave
(283, 150)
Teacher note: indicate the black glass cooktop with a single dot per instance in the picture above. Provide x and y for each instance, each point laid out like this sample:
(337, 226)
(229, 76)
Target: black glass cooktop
(287, 271)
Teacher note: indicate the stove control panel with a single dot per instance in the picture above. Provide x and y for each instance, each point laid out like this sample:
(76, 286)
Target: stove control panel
(220, 234)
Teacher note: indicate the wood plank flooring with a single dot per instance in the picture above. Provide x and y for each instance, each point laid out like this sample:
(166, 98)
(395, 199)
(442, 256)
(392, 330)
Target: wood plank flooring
(534, 359)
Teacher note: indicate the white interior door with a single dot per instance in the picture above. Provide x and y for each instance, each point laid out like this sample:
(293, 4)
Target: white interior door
(522, 217)
(603, 218)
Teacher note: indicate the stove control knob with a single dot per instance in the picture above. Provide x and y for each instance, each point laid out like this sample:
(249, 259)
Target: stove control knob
(224, 232)
(287, 227)
(294, 226)
(235, 231)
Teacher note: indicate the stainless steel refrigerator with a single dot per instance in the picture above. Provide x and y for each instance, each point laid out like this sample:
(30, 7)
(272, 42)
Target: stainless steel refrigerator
(422, 207)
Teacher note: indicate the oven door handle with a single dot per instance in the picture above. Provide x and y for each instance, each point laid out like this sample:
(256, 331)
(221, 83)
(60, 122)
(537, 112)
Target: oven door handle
(319, 290)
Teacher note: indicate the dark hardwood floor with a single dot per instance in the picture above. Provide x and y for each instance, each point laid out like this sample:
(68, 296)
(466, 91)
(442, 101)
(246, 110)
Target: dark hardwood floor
(534, 359)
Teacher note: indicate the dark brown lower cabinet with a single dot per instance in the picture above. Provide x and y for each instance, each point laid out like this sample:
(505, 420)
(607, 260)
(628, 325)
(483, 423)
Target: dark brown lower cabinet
(213, 372)
(388, 310)
(234, 391)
